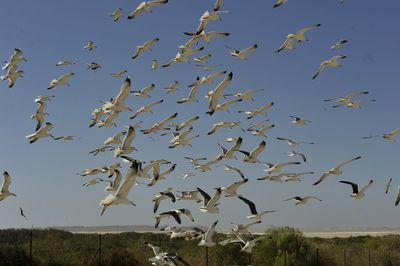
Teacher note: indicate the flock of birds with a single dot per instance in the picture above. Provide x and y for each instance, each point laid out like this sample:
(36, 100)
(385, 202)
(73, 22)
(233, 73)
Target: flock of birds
(122, 143)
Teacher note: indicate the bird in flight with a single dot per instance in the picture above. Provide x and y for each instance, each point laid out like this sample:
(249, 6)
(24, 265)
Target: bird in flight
(21, 212)
(358, 193)
(337, 170)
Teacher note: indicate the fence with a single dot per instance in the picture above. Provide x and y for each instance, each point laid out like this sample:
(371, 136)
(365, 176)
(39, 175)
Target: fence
(33, 248)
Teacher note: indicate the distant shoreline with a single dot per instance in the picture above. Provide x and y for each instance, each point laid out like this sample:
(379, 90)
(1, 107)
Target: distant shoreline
(308, 232)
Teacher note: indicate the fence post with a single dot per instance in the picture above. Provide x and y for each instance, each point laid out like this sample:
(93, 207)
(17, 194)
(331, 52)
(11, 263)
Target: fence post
(249, 258)
(284, 257)
(369, 258)
(99, 249)
(317, 256)
(206, 256)
(30, 248)
(344, 257)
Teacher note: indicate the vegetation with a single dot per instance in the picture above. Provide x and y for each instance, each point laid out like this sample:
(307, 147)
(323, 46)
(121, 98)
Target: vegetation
(54, 247)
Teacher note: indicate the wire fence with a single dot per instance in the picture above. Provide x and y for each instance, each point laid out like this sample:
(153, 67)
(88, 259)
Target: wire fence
(33, 248)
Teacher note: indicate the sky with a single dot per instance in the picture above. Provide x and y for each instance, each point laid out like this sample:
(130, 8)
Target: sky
(44, 173)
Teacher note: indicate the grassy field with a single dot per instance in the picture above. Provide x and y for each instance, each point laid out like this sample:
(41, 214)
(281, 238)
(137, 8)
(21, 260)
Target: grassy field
(55, 247)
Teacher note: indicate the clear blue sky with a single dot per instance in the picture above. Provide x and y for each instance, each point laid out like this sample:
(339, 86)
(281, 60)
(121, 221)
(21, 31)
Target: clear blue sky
(44, 173)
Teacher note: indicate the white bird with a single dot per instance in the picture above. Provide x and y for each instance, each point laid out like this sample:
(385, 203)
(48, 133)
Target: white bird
(12, 75)
(289, 43)
(242, 54)
(146, 108)
(15, 59)
(230, 153)
(209, 79)
(358, 194)
(210, 204)
(388, 185)
(302, 200)
(208, 16)
(206, 166)
(294, 177)
(299, 36)
(146, 7)
(67, 137)
(276, 178)
(262, 110)
(293, 143)
(296, 153)
(189, 195)
(109, 121)
(202, 59)
(145, 91)
(167, 214)
(154, 164)
(245, 96)
(234, 169)
(356, 104)
(155, 64)
(337, 170)
(188, 174)
(187, 123)
(390, 136)
(224, 124)
(247, 245)
(42, 132)
(332, 62)
(160, 125)
(158, 176)
(44, 98)
(183, 57)
(65, 63)
(126, 146)
(173, 87)
(195, 161)
(93, 171)
(299, 121)
(192, 94)
(63, 80)
(119, 74)
(116, 14)
(279, 3)
(4, 192)
(252, 157)
(182, 139)
(120, 197)
(90, 45)
(206, 239)
(206, 36)
(277, 168)
(114, 185)
(110, 170)
(344, 100)
(92, 182)
(145, 47)
(101, 149)
(339, 44)
(163, 195)
(225, 105)
(93, 66)
(254, 214)
(40, 114)
(231, 191)
(116, 139)
(244, 229)
(262, 132)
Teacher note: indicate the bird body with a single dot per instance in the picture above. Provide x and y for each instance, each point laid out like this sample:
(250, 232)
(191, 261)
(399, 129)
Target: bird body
(357, 193)
(4, 191)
